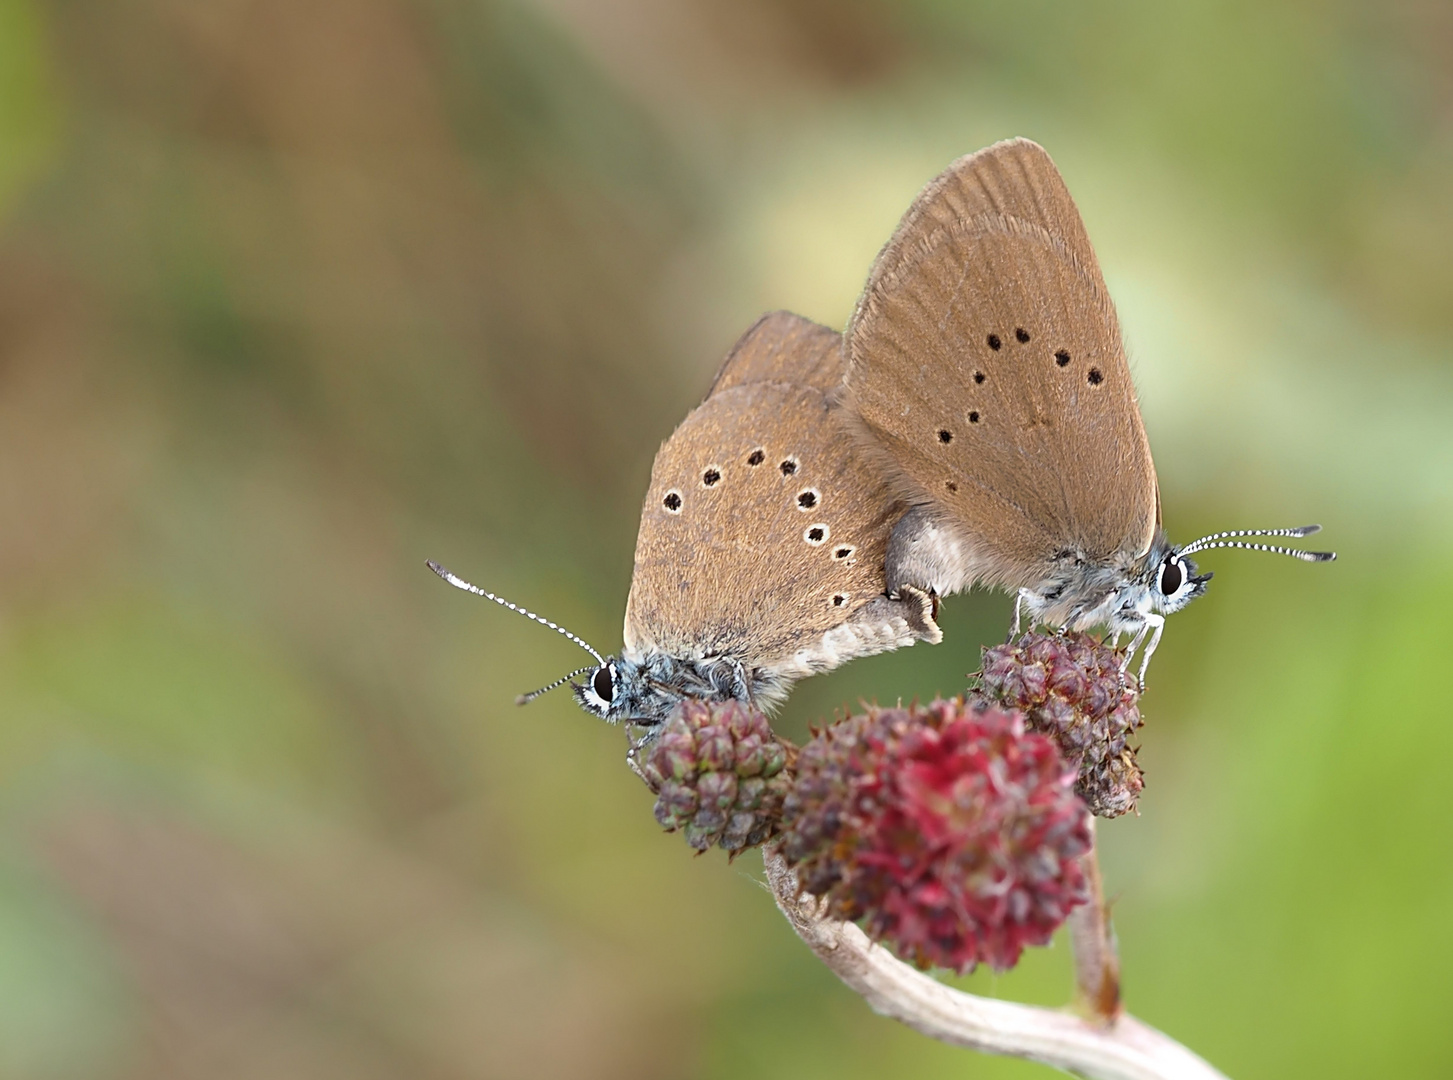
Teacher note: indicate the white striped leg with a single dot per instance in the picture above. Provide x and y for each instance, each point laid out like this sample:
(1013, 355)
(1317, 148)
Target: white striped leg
(1150, 647)
(1153, 626)
(1018, 605)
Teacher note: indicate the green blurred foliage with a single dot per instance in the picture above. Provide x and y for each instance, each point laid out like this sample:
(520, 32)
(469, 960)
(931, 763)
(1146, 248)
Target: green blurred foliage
(297, 293)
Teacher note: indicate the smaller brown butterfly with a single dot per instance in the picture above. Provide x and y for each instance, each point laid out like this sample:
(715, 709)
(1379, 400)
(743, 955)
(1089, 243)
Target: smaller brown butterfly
(760, 556)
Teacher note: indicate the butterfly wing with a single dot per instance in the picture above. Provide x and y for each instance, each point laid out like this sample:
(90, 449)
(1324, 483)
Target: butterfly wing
(764, 532)
(783, 347)
(985, 362)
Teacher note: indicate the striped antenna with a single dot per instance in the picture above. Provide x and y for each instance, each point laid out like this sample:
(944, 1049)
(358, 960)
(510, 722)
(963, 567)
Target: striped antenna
(525, 699)
(460, 583)
(1219, 540)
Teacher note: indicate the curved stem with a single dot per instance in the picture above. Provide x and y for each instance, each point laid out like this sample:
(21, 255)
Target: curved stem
(1125, 1049)
(1092, 942)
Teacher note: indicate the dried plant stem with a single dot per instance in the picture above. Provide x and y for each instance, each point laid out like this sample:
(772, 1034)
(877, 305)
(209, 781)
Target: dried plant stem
(1122, 1050)
(1092, 940)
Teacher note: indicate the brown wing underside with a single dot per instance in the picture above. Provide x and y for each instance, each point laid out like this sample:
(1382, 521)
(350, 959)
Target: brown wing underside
(786, 348)
(735, 566)
(985, 358)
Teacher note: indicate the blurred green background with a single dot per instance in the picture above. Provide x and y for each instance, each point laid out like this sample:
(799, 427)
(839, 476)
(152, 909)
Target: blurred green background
(297, 293)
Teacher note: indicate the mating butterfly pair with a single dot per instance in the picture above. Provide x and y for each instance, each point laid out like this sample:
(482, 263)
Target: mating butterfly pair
(975, 424)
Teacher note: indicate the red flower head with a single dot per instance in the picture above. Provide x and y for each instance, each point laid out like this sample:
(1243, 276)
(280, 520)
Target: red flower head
(1070, 687)
(949, 830)
(718, 773)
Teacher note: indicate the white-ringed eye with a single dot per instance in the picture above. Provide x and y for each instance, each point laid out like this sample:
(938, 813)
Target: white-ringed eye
(1172, 574)
(603, 682)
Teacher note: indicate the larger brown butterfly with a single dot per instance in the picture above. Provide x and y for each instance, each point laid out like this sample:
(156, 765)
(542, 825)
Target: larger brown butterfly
(986, 373)
(760, 556)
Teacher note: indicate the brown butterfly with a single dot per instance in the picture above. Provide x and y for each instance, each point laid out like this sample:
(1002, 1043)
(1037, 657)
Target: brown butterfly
(760, 555)
(986, 375)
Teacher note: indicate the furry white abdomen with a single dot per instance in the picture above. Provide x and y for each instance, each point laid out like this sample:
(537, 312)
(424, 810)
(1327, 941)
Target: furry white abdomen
(883, 624)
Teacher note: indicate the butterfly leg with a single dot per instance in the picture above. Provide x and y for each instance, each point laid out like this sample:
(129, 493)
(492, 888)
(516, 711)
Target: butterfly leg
(1158, 622)
(741, 687)
(920, 610)
(633, 755)
(1018, 605)
(1140, 632)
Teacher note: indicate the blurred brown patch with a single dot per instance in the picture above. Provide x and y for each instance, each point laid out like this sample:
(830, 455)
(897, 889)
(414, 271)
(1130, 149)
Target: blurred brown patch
(74, 444)
(328, 955)
(748, 53)
(327, 199)
(837, 42)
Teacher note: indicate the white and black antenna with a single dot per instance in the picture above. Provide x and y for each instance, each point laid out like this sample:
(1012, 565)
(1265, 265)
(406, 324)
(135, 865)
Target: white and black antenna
(1219, 540)
(524, 699)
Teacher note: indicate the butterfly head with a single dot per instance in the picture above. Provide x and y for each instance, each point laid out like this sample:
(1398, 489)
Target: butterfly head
(618, 689)
(1162, 581)
(643, 689)
(1172, 582)
(1169, 580)
(615, 688)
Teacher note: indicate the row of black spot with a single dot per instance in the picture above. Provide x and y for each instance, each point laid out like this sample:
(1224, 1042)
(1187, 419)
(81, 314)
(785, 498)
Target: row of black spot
(816, 534)
(711, 476)
(807, 498)
(947, 436)
(1061, 356)
(788, 465)
(1020, 334)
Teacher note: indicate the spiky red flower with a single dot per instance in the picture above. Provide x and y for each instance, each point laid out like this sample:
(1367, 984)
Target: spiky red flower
(1071, 688)
(717, 771)
(949, 830)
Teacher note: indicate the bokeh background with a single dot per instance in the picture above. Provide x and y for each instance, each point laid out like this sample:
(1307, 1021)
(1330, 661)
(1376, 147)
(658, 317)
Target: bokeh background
(297, 293)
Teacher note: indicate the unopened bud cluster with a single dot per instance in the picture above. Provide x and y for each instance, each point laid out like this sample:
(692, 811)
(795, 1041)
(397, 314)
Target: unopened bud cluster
(950, 831)
(1071, 688)
(719, 775)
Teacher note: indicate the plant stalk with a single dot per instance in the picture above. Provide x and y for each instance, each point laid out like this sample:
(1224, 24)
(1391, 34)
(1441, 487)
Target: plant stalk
(1092, 943)
(1121, 1048)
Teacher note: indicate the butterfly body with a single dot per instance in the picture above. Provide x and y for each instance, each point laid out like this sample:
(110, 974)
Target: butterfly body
(644, 688)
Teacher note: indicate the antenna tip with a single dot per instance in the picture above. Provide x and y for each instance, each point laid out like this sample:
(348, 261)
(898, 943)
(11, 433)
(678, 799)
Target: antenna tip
(1307, 530)
(432, 565)
(522, 699)
(1323, 556)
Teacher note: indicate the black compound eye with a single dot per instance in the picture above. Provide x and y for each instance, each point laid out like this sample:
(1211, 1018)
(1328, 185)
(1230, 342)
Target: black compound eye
(1171, 576)
(604, 684)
